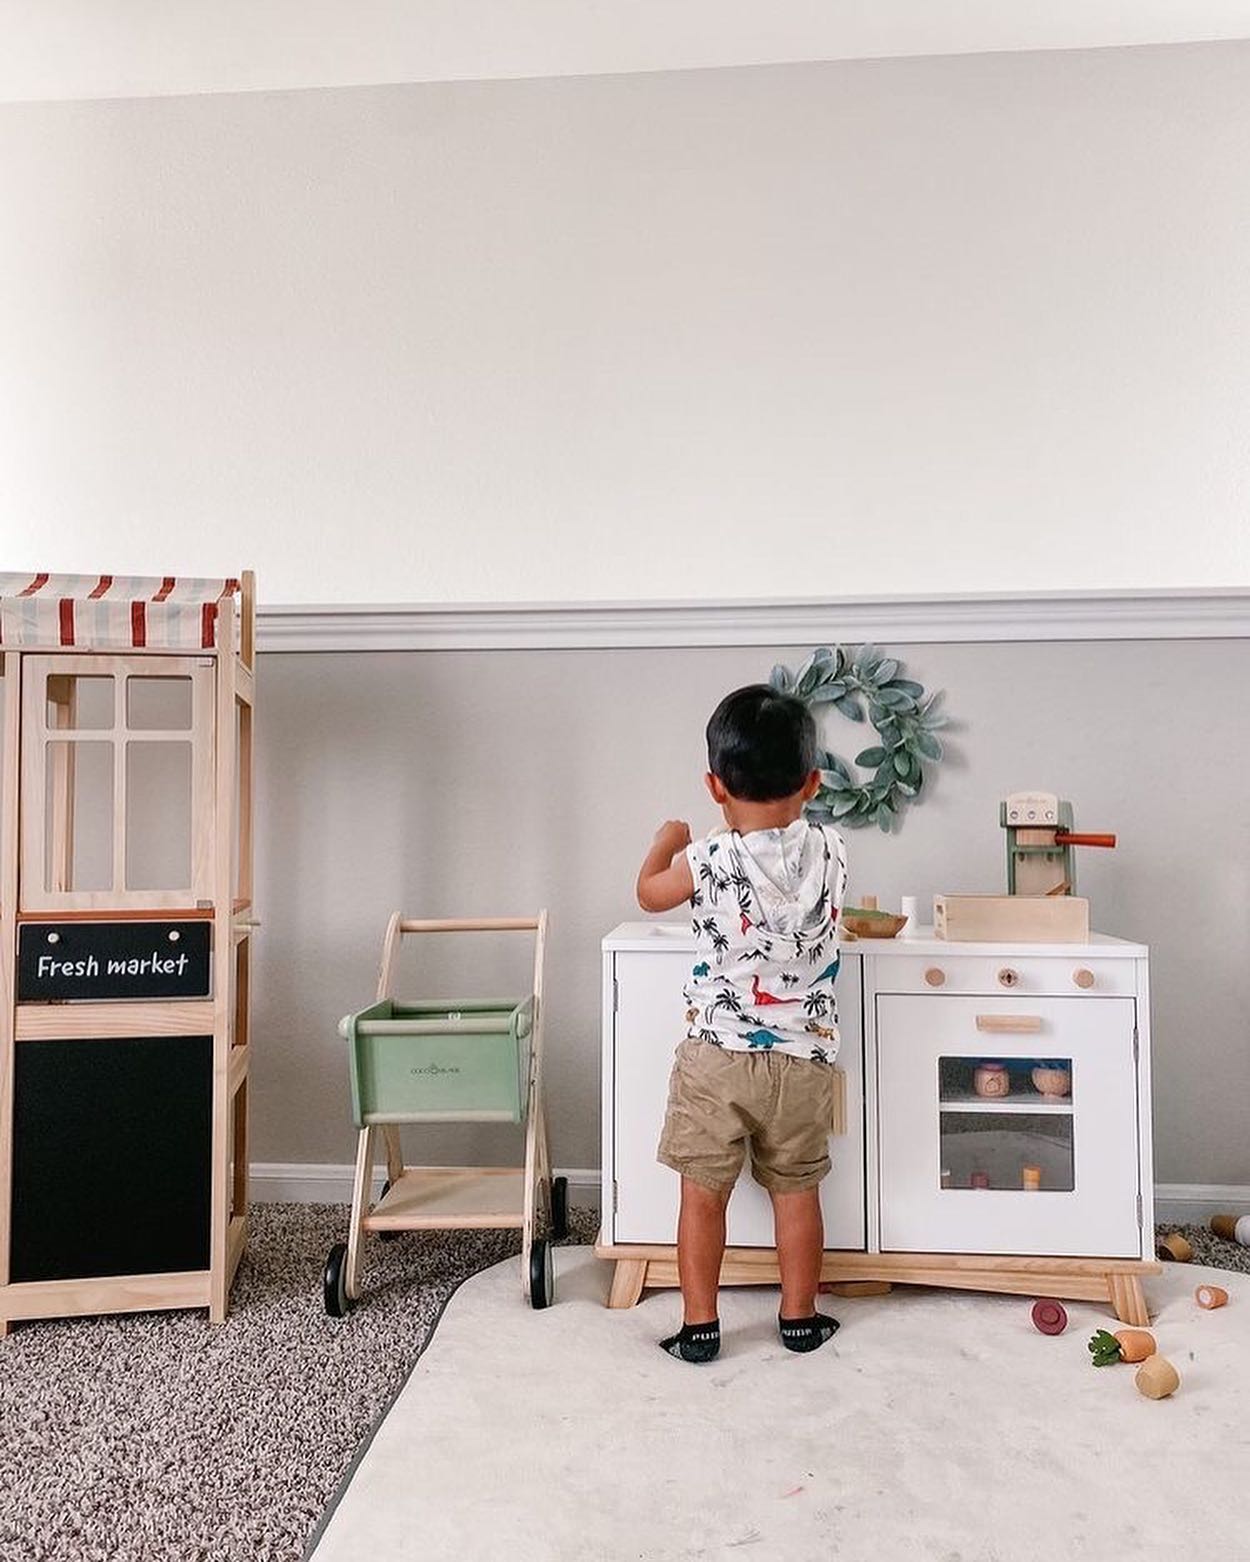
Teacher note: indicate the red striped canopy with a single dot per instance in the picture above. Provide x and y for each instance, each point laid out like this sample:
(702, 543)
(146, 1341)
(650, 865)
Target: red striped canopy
(111, 612)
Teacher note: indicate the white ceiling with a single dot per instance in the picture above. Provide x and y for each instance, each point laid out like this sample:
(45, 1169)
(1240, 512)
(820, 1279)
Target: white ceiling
(132, 48)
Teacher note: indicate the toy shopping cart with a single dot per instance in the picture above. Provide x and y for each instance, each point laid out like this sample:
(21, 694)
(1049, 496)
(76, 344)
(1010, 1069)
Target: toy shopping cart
(467, 1061)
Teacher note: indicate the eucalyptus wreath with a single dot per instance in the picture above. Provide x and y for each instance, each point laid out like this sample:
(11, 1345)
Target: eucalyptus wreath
(859, 680)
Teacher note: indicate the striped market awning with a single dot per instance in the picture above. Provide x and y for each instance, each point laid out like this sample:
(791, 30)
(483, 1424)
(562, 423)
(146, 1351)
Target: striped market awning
(110, 612)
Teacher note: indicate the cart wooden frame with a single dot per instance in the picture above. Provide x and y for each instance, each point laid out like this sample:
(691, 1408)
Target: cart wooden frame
(447, 1198)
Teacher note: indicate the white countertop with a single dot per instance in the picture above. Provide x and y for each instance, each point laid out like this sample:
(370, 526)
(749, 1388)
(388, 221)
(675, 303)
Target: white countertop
(677, 936)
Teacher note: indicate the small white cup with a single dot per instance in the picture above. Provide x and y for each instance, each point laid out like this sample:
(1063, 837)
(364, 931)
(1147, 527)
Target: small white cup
(909, 907)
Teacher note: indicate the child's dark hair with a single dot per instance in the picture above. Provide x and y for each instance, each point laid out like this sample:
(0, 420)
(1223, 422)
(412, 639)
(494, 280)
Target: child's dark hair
(761, 744)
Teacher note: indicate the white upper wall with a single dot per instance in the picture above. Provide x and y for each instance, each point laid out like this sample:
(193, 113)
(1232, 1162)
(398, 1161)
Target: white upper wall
(918, 325)
(133, 48)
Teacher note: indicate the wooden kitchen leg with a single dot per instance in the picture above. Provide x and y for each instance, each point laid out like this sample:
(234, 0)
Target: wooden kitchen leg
(1128, 1299)
(627, 1282)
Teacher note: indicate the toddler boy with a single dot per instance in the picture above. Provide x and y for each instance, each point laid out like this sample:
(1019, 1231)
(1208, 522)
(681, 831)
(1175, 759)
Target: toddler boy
(756, 1067)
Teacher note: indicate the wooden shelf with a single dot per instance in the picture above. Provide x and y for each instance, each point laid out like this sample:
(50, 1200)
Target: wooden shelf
(107, 1294)
(96, 1018)
(1019, 1101)
(451, 1197)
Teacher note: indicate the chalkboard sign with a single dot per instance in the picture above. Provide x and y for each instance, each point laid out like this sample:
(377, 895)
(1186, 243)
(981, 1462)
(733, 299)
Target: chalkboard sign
(113, 960)
(112, 1156)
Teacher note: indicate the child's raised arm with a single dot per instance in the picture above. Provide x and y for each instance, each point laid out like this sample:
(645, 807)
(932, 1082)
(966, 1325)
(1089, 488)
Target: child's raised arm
(665, 879)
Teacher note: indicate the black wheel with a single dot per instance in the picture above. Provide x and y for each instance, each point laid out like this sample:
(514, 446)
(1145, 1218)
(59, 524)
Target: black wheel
(559, 1208)
(387, 1236)
(334, 1282)
(542, 1280)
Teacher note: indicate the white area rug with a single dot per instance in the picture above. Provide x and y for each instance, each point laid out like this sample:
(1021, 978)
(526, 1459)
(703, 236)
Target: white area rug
(937, 1426)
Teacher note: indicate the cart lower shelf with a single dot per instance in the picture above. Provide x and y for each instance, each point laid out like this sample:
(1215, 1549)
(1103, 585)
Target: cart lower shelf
(441, 1198)
(1117, 1281)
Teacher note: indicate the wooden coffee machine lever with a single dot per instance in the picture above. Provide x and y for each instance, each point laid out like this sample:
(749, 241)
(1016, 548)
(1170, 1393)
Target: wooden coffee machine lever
(1040, 839)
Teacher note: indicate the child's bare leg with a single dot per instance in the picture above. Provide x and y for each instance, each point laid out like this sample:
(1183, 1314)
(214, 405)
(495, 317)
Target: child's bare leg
(700, 1248)
(800, 1231)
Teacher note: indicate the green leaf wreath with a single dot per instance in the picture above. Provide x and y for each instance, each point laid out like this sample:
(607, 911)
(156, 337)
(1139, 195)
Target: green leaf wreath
(859, 680)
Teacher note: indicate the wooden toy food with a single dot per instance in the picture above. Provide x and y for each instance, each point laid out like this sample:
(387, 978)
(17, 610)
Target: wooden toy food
(1104, 1348)
(1210, 1296)
(1174, 1246)
(1123, 1345)
(868, 922)
(1157, 1378)
(1049, 1316)
(1233, 1228)
(991, 1079)
(1052, 1081)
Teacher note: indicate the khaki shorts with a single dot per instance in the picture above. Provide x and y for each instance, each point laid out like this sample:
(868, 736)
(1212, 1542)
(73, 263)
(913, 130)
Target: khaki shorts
(719, 1101)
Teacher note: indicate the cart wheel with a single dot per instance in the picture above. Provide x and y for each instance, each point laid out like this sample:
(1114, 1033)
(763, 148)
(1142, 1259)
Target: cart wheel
(559, 1208)
(387, 1236)
(334, 1282)
(542, 1280)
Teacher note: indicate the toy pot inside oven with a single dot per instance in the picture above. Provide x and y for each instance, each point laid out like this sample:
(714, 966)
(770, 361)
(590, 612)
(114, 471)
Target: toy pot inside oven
(991, 1079)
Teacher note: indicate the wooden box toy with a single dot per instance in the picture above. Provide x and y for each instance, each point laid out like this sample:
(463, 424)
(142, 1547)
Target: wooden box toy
(1033, 919)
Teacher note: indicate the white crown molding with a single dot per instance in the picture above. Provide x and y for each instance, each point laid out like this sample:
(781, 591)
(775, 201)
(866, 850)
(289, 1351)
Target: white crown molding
(1008, 616)
(132, 48)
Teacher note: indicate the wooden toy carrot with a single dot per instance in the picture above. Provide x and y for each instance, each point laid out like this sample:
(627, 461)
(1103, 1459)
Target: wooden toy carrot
(1123, 1345)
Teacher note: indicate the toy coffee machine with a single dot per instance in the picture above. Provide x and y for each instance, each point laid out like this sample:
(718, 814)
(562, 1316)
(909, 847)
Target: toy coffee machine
(1040, 904)
(1040, 842)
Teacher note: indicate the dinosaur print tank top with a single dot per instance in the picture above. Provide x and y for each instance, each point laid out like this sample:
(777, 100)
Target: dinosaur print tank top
(764, 911)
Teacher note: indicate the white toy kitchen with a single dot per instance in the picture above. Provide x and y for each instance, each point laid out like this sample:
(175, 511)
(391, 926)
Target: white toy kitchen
(993, 1133)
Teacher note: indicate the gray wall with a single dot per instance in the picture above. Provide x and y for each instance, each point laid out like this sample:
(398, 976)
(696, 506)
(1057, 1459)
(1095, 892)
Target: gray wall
(492, 782)
(970, 323)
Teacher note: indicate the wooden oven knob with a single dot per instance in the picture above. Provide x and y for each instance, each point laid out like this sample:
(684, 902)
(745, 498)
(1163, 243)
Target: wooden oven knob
(1008, 978)
(935, 976)
(1083, 978)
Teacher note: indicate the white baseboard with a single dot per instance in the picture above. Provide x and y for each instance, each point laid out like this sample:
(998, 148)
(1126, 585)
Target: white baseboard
(1193, 1203)
(301, 1182)
(304, 1182)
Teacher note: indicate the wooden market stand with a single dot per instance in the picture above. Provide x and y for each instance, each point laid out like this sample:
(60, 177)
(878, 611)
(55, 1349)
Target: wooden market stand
(125, 941)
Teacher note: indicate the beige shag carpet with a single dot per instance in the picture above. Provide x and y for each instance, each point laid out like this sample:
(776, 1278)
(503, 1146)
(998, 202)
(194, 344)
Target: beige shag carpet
(155, 1437)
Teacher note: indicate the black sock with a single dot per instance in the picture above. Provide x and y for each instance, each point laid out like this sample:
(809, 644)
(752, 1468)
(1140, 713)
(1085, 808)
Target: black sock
(694, 1341)
(805, 1334)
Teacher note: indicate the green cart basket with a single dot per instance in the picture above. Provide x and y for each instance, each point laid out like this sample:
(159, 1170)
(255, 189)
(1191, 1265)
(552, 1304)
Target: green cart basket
(469, 1061)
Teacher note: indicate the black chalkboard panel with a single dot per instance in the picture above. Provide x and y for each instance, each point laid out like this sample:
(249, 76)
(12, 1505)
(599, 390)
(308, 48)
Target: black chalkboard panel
(112, 960)
(112, 1164)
